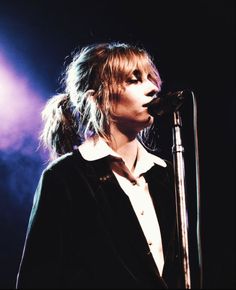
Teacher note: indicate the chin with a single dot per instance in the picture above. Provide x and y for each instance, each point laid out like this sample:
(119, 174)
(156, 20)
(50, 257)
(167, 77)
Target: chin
(150, 120)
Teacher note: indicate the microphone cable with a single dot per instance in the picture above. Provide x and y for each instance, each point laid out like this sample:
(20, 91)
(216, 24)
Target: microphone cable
(197, 174)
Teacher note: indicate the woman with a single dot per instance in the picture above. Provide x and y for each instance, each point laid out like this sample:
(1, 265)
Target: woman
(103, 214)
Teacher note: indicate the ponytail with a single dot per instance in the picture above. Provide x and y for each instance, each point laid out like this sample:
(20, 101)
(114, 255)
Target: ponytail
(60, 132)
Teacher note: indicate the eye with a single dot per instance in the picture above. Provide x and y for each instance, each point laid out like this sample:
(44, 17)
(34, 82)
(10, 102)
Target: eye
(132, 81)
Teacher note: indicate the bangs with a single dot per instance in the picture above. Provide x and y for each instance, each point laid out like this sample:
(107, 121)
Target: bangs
(122, 66)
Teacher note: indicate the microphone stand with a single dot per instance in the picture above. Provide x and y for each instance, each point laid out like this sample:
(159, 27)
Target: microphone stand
(180, 197)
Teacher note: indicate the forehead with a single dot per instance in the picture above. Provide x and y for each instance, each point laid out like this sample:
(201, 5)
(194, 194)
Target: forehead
(138, 64)
(134, 62)
(124, 65)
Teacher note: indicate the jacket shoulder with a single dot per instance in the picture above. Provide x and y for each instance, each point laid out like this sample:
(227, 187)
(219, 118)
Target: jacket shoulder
(65, 162)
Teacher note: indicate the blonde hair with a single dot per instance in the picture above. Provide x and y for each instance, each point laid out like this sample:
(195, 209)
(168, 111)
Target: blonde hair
(96, 72)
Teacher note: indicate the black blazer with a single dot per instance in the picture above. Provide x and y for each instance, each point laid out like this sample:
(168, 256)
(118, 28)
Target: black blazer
(83, 232)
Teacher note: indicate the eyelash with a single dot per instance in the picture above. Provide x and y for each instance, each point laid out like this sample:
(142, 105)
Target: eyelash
(133, 81)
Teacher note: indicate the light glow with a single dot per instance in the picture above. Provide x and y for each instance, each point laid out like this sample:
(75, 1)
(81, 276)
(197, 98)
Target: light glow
(20, 108)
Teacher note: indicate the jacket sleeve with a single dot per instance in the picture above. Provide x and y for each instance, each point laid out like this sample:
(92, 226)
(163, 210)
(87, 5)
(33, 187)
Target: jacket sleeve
(40, 265)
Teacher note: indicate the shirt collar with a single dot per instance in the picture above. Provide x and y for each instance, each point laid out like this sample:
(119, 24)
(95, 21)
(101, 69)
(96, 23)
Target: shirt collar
(96, 148)
(146, 160)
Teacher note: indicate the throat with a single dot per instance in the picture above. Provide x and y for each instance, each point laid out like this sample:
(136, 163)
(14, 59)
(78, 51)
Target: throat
(129, 154)
(135, 162)
(126, 146)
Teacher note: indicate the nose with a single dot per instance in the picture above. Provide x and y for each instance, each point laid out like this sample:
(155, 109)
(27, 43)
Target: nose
(152, 89)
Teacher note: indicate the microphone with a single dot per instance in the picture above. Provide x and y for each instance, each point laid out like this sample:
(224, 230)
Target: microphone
(170, 102)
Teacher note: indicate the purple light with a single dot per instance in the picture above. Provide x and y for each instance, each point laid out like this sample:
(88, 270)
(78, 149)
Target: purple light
(20, 109)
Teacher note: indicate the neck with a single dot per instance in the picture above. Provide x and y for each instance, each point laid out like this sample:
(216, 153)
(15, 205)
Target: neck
(126, 146)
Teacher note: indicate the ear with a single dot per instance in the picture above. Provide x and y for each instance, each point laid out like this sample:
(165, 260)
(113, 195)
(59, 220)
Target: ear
(93, 98)
(89, 94)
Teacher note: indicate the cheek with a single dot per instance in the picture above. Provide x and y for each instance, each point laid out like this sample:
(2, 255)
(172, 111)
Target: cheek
(129, 103)
(129, 96)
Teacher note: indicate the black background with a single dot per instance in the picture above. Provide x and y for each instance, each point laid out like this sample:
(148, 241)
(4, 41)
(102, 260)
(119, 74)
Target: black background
(193, 46)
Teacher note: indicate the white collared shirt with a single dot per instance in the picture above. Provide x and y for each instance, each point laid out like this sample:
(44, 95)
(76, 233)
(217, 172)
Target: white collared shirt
(136, 188)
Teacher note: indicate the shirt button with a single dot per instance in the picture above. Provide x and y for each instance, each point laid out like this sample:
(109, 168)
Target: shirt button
(142, 212)
(149, 243)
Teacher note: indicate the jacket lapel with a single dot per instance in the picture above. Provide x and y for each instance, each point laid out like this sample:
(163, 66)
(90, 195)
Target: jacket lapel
(161, 188)
(119, 217)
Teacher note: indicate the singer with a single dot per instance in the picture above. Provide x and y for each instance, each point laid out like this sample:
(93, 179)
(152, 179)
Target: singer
(103, 214)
